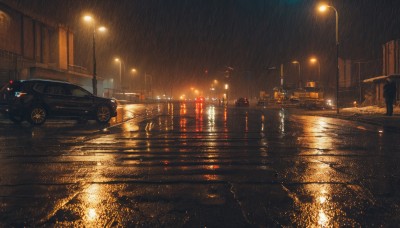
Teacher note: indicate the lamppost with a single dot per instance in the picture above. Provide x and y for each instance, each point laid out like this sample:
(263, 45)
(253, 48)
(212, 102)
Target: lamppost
(90, 19)
(214, 85)
(133, 71)
(120, 71)
(323, 8)
(314, 61)
(298, 63)
(226, 93)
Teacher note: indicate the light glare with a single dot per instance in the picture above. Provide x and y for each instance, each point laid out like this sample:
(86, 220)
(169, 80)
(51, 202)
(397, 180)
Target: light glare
(322, 8)
(88, 18)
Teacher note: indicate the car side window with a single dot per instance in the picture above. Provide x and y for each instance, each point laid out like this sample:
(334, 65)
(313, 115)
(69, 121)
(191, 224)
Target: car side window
(55, 90)
(78, 92)
(38, 87)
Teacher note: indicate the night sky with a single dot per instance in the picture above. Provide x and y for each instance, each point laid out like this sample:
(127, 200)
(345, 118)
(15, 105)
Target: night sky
(191, 42)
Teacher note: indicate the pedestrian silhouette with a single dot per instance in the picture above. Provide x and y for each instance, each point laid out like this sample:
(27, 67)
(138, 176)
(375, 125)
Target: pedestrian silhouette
(389, 93)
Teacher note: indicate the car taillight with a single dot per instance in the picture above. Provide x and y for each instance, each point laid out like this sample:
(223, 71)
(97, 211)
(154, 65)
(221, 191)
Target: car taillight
(19, 94)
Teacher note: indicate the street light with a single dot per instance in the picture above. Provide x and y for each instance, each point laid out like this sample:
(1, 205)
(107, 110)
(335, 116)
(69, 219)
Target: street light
(226, 87)
(323, 8)
(314, 61)
(133, 71)
(89, 19)
(297, 62)
(213, 88)
(120, 71)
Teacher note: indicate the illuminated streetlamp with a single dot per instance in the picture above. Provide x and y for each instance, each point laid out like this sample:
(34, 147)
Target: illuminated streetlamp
(89, 19)
(133, 71)
(314, 61)
(120, 71)
(323, 8)
(226, 86)
(213, 88)
(297, 62)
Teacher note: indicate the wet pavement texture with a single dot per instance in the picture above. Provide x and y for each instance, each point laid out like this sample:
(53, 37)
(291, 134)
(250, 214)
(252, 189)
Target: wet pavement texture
(196, 165)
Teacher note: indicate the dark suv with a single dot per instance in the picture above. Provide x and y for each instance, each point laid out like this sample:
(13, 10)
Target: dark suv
(36, 100)
(242, 102)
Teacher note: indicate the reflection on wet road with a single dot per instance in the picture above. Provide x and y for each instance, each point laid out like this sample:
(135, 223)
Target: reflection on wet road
(186, 164)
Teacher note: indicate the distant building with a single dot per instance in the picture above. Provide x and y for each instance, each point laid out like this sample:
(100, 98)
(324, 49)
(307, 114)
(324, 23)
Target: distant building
(32, 46)
(391, 57)
(390, 69)
(345, 74)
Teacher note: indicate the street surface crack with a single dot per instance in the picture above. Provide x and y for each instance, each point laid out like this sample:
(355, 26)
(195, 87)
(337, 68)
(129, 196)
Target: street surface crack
(236, 198)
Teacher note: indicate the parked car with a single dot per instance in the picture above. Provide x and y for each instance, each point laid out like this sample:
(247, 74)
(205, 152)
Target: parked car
(242, 102)
(36, 100)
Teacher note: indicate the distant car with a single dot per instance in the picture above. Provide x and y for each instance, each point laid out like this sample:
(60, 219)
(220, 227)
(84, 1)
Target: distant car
(262, 103)
(36, 100)
(242, 102)
(199, 99)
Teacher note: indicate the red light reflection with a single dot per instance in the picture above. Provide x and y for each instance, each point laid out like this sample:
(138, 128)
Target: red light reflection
(199, 117)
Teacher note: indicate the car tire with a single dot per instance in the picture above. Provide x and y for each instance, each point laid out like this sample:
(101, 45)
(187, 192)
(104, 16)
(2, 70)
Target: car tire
(37, 115)
(103, 114)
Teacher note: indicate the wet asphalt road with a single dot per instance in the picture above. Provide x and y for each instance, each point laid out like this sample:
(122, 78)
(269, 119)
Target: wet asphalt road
(187, 165)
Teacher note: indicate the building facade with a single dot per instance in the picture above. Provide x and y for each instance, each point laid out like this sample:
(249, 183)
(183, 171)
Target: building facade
(390, 69)
(35, 47)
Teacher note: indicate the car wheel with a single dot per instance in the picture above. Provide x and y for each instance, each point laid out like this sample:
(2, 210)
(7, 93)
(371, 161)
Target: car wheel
(37, 115)
(103, 114)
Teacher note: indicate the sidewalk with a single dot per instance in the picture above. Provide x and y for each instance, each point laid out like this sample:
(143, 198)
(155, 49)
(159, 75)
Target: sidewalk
(370, 114)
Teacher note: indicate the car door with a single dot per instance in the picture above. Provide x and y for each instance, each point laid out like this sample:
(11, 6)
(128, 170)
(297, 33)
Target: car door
(56, 99)
(81, 101)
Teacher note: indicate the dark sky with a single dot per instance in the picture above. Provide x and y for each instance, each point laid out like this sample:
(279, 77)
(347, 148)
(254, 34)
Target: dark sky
(177, 40)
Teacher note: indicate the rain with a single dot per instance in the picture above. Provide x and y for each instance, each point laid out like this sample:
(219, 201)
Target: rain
(216, 113)
(191, 42)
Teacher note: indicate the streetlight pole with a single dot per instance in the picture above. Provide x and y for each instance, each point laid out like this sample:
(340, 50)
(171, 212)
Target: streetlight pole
(299, 83)
(315, 60)
(337, 60)
(90, 19)
(94, 79)
(133, 71)
(323, 8)
(120, 71)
